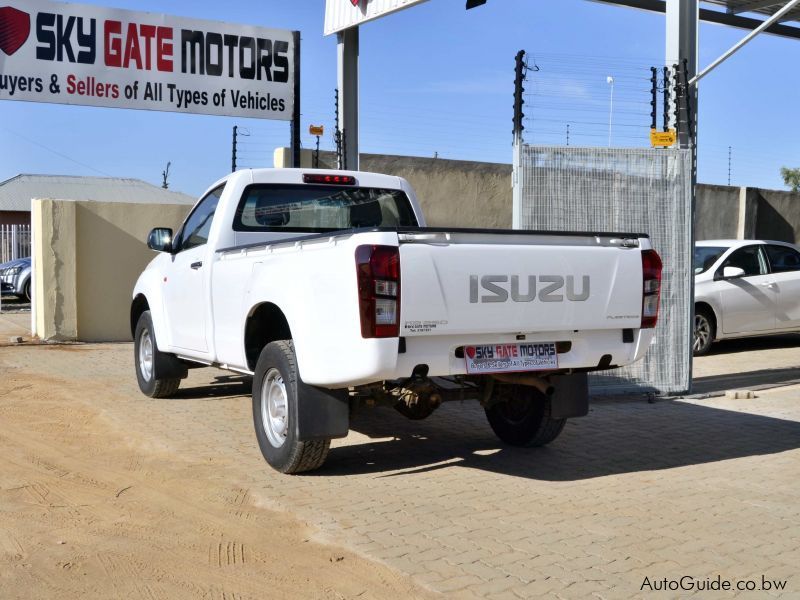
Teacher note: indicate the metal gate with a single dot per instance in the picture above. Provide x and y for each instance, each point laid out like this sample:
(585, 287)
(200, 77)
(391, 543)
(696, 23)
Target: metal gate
(15, 242)
(566, 188)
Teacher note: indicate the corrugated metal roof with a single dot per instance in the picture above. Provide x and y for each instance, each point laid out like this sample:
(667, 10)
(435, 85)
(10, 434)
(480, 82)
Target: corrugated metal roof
(763, 7)
(16, 193)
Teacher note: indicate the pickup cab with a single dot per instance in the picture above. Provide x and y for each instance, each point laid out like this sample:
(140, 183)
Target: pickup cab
(329, 290)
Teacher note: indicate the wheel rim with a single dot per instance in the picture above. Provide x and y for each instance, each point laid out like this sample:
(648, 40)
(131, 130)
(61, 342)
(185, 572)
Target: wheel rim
(274, 408)
(702, 332)
(146, 355)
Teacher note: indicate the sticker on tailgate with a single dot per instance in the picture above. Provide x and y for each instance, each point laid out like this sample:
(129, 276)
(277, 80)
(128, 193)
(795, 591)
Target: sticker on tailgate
(504, 358)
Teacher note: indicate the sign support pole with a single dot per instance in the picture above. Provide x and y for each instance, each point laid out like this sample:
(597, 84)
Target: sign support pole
(347, 50)
(295, 127)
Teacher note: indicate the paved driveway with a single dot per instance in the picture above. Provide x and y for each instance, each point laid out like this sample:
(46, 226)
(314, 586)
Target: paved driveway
(635, 490)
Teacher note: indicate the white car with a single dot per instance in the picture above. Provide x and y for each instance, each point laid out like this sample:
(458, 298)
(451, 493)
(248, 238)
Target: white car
(744, 288)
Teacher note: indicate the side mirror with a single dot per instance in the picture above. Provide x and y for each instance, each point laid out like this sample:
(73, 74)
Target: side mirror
(160, 239)
(732, 273)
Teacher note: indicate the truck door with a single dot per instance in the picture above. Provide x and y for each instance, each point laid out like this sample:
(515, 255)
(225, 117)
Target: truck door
(186, 278)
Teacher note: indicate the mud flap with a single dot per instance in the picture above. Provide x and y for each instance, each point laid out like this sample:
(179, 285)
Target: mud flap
(169, 366)
(322, 413)
(571, 396)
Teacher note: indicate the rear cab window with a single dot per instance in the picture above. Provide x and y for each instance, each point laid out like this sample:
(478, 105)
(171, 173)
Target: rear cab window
(320, 208)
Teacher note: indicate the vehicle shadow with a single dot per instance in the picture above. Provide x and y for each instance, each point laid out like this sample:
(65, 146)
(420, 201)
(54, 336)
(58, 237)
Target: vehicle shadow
(616, 438)
(747, 380)
(768, 342)
(222, 387)
(12, 304)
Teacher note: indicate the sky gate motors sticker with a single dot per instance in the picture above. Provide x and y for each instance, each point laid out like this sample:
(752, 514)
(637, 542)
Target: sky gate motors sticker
(97, 56)
(505, 358)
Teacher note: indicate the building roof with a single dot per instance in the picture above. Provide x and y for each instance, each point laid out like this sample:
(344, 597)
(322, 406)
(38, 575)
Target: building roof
(16, 193)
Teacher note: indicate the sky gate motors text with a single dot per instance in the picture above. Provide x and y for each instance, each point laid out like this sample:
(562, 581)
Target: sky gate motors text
(148, 47)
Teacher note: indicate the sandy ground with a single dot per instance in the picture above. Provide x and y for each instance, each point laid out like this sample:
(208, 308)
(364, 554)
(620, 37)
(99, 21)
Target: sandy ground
(90, 510)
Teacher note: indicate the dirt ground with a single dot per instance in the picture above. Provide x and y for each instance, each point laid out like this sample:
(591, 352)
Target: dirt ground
(107, 494)
(90, 509)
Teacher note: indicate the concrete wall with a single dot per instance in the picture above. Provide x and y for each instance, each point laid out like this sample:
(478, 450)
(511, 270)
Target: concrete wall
(87, 257)
(459, 193)
(453, 193)
(778, 215)
(716, 212)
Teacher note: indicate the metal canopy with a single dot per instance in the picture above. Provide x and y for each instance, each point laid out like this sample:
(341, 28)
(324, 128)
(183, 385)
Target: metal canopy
(732, 14)
(762, 7)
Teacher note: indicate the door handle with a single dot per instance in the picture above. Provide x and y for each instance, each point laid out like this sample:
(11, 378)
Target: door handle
(197, 265)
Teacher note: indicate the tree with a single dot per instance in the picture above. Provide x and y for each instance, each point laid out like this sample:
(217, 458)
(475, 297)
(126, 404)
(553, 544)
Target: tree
(791, 177)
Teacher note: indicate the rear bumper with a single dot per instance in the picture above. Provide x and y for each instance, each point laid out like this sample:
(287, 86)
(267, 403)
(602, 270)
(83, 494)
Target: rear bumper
(381, 359)
(588, 349)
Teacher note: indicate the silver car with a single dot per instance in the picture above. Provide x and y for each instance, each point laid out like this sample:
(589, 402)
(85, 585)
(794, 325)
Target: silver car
(15, 278)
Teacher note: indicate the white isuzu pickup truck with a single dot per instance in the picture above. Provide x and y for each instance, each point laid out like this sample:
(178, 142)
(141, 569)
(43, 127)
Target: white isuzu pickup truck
(327, 288)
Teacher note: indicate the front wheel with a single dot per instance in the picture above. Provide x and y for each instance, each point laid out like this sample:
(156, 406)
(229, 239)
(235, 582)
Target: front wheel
(276, 387)
(150, 361)
(520, 416)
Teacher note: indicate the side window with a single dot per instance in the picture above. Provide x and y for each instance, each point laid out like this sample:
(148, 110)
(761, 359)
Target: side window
(750, 259)
(783, 259)
(197, 226)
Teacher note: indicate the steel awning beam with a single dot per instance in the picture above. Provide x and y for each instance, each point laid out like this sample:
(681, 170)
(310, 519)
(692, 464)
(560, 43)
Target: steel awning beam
(735, 48)
(712, 16)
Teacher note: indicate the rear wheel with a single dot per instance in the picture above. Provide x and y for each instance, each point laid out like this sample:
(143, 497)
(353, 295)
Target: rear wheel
(520, 416)
(703, 332)
(276, 387)
(149, 359)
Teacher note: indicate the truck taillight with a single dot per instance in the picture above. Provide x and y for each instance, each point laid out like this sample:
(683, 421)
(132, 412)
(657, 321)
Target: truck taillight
(378, 273)
(651, 287)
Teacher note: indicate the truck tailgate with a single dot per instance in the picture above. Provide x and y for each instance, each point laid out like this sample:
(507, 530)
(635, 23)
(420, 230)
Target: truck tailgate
(464, 283)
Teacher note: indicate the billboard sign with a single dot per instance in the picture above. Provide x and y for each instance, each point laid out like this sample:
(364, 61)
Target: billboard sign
(97, 56)
(342, 14)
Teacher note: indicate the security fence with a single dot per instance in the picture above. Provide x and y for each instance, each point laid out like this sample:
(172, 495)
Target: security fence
(15, 242)
(626, 190)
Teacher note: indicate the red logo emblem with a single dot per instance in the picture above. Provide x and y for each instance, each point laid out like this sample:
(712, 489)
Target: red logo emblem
(470, 351)
(15, 26)
(354, 2)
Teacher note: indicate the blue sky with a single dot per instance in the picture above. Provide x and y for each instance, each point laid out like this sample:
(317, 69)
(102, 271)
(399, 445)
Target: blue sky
(438, 79)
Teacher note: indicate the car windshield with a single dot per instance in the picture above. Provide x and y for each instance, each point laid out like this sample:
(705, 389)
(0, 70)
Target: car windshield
(321, 208)
(705, 257)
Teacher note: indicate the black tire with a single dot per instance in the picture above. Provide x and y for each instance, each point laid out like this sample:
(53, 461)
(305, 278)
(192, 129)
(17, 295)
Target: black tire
(704, 331)
(521, 417)
(276, 373)
(26, 291)
(151, 381)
